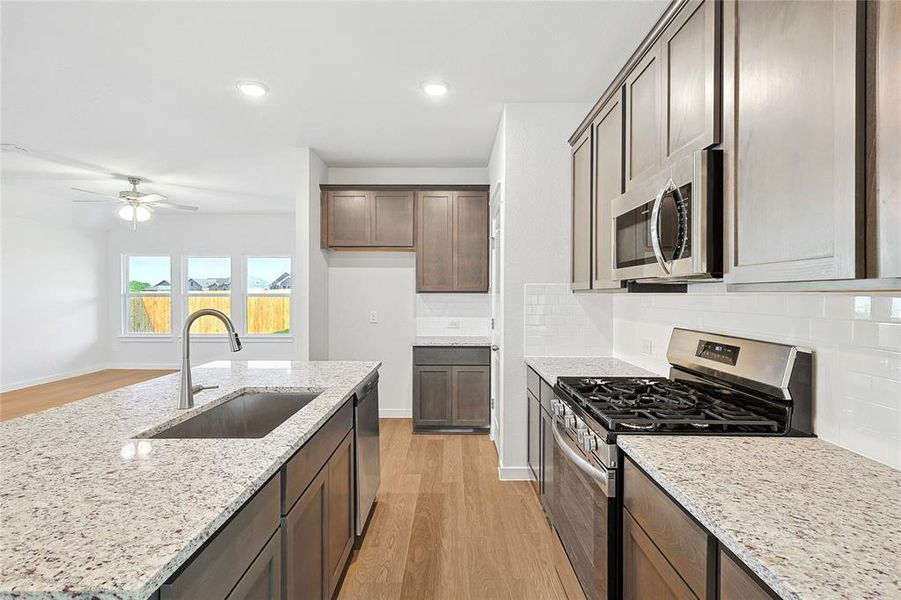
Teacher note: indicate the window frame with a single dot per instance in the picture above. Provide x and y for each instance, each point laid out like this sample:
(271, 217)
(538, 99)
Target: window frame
(126, 295)
(186, 294)
(246, 294)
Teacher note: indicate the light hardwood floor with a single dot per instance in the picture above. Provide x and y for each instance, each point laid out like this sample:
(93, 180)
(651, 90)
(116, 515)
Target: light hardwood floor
(49, 395)
(445, 527)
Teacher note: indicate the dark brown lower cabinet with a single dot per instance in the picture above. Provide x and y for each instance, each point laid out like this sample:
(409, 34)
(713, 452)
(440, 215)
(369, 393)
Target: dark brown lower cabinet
(449, 397)
(470, 403)
(263, 580)
(736, 584)
(319, 531)
(646, 572)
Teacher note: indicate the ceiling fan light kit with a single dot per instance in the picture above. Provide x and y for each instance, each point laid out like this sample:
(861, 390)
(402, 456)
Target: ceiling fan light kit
(137, 207)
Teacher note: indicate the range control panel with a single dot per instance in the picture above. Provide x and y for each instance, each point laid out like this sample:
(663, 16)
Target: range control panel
(717, 351)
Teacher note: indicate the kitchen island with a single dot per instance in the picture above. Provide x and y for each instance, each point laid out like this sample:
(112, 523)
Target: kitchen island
(93, 508)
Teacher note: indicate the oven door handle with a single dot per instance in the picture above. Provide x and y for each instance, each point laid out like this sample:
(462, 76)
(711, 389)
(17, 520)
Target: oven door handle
(655, 226)
(585, 466)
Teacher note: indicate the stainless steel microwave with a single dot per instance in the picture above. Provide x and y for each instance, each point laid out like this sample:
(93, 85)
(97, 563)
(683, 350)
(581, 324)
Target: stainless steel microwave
(670, 227)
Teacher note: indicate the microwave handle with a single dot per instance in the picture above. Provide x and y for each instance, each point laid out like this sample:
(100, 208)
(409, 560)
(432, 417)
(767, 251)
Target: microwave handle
(655, 226)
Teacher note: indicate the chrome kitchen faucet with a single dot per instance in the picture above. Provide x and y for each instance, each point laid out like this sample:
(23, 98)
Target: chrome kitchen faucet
(187, 390)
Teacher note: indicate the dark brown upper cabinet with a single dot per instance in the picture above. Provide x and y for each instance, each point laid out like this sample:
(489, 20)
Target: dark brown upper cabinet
(581, 213)
(608, 184)
(381, 219)
(452, 234)
(643, 121)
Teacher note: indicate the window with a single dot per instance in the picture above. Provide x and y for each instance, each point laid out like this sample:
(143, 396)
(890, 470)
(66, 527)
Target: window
(147, 296)
(208, 284)
(268, 295)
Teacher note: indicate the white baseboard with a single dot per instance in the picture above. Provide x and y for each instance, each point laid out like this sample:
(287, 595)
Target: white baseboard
(8, 387)
(395, 413)
(514, 473)
(145, 366)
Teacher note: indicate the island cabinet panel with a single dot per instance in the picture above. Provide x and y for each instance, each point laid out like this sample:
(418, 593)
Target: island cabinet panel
(215, 570)
(687, 547)
(392, 219)
(263, 580)
(581, 213)
(647, 575)
(452, 241)
(349, 219)
(791, 184)
(690, 51)
(736, 584)
(608, 184)
(305, 539)
(340, 511)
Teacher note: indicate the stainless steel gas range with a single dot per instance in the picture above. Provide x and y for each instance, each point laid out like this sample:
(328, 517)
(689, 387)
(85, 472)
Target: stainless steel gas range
(717, 385)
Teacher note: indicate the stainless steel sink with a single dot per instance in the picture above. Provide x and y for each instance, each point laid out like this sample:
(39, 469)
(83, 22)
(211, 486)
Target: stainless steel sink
(250, 415)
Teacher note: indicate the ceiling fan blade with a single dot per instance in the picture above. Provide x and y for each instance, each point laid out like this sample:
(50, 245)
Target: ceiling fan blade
(152, 197)
(92, 201)
(96, 193)
(171, 205)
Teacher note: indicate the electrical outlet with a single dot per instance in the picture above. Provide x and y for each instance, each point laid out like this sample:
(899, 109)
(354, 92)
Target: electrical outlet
(373, 316)
(646, 347)
(454, 324)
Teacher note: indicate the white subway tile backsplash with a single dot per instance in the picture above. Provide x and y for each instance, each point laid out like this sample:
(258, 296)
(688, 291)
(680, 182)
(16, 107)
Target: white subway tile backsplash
(569, 324)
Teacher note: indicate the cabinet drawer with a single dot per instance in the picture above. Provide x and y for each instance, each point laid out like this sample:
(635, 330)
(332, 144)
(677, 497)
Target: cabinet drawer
(533, 382)
(736, 584)
(215, 570)
(300, 470)
(546, 394)
(447, 355)
(646, 572)
(679, 538)
(263, 580)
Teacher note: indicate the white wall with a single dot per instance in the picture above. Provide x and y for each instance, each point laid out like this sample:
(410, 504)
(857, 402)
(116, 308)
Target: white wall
(497, 168)
(52, 301)
(856, 342)
(535, 243)
(311, 172)
(200, 234)
(385, 282)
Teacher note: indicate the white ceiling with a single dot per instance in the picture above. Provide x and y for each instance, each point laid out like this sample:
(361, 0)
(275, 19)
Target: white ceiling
(99, 88)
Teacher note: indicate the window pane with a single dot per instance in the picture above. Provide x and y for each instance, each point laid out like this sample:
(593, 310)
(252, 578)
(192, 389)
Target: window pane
(149, 274)
(271, 275)
(209, 324)
(269, 315)
(149, 314)
(209, 275)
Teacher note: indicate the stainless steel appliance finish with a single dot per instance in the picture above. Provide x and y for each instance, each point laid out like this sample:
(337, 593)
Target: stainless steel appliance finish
(670, 227)
(250, 415)
(718, 385)
(366, 436)
(187, 389)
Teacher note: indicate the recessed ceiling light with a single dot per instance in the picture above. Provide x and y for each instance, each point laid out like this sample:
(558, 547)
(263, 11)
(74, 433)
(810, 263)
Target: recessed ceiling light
(434, 88)
(254, 89)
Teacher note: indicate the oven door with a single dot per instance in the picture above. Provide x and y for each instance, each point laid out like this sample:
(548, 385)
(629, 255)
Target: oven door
(669, 226)
(584, 513)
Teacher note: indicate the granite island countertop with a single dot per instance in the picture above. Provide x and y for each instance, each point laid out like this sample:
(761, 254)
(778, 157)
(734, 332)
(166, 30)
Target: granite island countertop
(550, 368)
(89, 511)
(452, 340)
(811, 519)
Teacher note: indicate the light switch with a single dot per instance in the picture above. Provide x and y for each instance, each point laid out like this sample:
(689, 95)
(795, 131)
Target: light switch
(454, 324)
(646, 347)
(373, 316)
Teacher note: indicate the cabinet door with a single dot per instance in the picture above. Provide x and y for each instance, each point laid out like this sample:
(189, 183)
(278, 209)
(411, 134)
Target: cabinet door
(581, 215)
(643, 108)
(534, 438)
(263, 579)
(646, 573)
(608, 184)
(435, 242)
(348, 219)
(789, 114)
(548, 497)
(470, 242)
(392, 219)
(691, 82)
(339, 512)
(736, 584)
(304, 531)
(471, 396)
(432, 395)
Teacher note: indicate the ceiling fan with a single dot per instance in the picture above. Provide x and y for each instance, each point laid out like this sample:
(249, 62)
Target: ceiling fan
(136, 206)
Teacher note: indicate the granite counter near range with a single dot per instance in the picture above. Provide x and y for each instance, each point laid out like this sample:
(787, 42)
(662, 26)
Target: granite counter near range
(90, 511)
(452, 341)
(809, 518)
(550, 368)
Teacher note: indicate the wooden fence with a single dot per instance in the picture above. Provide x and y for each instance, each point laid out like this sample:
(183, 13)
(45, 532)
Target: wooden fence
(265, 314)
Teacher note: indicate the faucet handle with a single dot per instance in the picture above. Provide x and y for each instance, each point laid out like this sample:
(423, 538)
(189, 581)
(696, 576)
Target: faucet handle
(200, 387)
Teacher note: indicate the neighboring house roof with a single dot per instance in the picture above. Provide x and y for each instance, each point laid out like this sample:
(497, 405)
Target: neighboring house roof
(282, 282)
(162, 286)
(211, 284)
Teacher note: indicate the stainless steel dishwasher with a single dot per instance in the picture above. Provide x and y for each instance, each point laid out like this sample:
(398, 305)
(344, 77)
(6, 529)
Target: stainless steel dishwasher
(366, 436)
